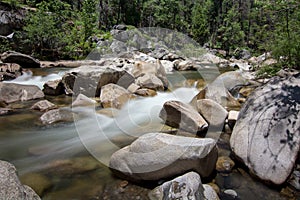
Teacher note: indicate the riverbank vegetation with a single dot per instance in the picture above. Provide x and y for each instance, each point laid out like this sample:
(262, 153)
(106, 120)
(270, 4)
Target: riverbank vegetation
(70, 29)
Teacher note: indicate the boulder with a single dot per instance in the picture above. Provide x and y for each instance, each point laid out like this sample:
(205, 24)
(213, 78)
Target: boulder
(224, 164)
(209, 58)
(10, 185)
(183, 116)
(145, 92)
(57, 115)
(217, 93)
(82, 100)
(209, 193)
(54, 88)
(187, 186)
(5, 111)
(156, 156)
(266, 136)
(12, 92)
(230, 80)
(43, 105)
(184, 65)
(213, 113)
(88, 80)
(151, 69)
(150, 81)
(23, 60)
(114, 96)
(10, 19)
(9, 71)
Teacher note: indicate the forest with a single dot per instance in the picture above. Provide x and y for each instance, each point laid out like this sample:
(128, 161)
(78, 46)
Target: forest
(70, 29)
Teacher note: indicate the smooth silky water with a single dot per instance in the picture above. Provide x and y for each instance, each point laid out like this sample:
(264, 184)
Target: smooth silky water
(74, 156)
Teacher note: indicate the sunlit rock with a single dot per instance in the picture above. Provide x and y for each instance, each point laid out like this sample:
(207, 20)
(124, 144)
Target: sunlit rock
(183, 116)
(156, 156)
(188, 186)
(266, 136)
(114, 96)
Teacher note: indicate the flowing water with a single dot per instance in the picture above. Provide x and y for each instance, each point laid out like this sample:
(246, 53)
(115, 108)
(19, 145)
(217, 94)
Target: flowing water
(73, 157)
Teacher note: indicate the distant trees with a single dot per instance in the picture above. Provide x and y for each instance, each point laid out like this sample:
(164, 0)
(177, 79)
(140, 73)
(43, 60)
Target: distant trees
(260, 25)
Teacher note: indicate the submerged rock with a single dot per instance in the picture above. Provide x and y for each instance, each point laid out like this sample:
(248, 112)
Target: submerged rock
(12, 92)
(188, 186)
(38, 182)
(266, 136)
(43, 105)
(183, 116)
(57, 115)
(10, 185)
(156, 156)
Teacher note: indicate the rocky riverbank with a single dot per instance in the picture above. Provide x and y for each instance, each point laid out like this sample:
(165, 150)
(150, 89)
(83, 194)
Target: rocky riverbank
(234, 125)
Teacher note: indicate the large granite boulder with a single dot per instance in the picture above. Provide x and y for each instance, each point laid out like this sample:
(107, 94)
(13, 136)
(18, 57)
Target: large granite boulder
(188, 186)
(10, 185)
(114, 96)
(213, 113)
(11, 92)
(156, 156)
(266, 136)
(9, 71)
(88, 80)
(23, 60)
(232, 79)
(183, 116)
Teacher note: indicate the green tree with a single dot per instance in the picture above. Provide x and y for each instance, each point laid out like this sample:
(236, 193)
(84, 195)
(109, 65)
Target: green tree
(200, 21)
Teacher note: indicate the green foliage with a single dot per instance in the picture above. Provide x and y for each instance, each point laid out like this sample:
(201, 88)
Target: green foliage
(200, 21)
(268, 71)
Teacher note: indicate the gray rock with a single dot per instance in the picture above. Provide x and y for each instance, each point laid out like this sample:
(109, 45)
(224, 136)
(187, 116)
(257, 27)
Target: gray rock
(150, 81)
(231, 80)
(23, 60)
(114, 96)
(213, 113)
(57, 115)
(5, 111)
(12, 92)
(82, 100)
(9, 71)
(187, 186)
(184, 65)
(11, 19)
(217, 93)
(209, 193)
(54, 88)
(156, 156)
(266, 136)
(146, 68)
(183, 116)
(43, 105)
(232, 118)
(231, 193)
(88, 80)
(11, 187)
